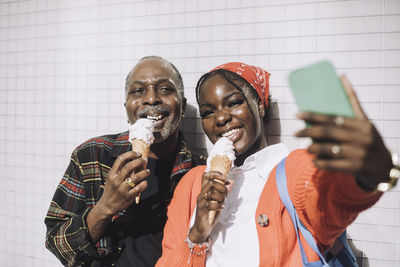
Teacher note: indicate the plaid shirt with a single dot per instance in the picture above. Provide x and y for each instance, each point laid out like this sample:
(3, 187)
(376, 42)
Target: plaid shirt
(80, 189)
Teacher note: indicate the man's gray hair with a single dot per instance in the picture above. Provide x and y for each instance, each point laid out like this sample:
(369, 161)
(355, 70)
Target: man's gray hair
(178, 75)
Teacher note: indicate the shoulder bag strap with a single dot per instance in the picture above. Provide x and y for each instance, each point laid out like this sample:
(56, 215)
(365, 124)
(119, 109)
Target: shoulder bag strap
(284, 195)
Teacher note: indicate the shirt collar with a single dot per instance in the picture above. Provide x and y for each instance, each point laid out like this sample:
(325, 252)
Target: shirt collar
(120, 145)
(265, 160)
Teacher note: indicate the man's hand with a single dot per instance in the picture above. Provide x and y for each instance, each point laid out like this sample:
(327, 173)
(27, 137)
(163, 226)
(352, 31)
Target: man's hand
(118, 194)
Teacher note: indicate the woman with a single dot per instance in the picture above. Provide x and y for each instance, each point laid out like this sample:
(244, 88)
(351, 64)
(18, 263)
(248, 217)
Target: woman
(330, 183)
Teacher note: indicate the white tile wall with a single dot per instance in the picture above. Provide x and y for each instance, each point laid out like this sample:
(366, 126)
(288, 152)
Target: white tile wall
(63, 65)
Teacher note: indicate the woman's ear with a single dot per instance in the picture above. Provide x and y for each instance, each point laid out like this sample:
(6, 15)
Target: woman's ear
(261, 109)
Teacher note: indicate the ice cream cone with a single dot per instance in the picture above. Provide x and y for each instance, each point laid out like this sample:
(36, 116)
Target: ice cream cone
(141, 137)
(220, 159)
(222, 164)
(141, 147)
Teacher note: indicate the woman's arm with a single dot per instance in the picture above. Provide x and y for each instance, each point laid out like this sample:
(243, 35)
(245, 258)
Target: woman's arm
(326, 202)
(175, 251)
(349, 161)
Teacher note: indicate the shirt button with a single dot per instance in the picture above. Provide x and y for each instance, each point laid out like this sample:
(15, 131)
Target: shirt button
(262, 220)
(120, 233)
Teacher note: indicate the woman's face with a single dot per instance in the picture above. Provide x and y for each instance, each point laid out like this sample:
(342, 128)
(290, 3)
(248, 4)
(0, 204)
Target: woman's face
(225, 111)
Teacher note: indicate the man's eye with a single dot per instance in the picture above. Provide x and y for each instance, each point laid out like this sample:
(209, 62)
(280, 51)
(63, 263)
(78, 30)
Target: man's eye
(136, 91)
(165, 90)
(235, 102)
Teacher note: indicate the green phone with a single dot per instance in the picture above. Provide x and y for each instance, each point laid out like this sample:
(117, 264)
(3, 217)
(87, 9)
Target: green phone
(317, 88)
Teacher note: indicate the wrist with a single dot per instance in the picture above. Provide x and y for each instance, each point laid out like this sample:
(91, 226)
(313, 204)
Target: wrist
(196, 237)
(102, 212)
(394, 175)
(195, 248)
(382, 184)
(365, 187)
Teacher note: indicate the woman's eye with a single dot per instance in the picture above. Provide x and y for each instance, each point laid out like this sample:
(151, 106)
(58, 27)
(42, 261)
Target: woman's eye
(235, 102)
(205, 114)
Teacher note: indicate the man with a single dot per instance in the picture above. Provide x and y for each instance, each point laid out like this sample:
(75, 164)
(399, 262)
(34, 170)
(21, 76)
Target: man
(93, 219)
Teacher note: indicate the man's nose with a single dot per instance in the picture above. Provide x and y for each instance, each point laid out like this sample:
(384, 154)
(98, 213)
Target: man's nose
(222, 117)
(152, 98)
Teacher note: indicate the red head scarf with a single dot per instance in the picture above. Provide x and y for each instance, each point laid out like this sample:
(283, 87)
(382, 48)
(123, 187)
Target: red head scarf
(257, 77)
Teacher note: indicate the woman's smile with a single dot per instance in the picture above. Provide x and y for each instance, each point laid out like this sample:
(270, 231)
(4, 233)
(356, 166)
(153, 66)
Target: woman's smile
(234, 134)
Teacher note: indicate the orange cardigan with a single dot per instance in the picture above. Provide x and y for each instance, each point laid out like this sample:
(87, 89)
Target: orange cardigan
(326, 202)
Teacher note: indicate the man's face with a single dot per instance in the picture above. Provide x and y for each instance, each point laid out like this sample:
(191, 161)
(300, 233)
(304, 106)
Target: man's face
(153, 92)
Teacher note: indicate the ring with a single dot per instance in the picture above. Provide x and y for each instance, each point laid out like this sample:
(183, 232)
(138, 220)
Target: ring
(339, 121)
(129, 182)
(335, 149)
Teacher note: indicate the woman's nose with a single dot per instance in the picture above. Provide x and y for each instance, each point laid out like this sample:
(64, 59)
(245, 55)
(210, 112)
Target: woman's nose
(222, 117)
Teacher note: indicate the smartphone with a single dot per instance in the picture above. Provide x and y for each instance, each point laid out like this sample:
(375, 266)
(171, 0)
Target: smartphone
(317, 88)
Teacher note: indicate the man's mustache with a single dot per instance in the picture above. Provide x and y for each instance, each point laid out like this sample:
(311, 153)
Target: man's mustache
(143, 113)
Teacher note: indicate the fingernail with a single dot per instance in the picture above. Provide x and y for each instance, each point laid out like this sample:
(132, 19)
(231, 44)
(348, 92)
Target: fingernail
(300, 115)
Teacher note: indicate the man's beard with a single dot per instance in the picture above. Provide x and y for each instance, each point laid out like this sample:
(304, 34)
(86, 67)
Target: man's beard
(170, 125)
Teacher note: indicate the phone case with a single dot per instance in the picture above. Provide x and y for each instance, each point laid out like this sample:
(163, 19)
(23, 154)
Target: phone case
(317, 89)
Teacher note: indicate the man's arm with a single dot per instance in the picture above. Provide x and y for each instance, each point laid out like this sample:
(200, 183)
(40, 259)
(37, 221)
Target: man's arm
(118, 195)
(67, 234)
(73, 226)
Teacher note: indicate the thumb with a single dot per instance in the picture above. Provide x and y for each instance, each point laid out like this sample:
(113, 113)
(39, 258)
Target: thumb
(354, 102)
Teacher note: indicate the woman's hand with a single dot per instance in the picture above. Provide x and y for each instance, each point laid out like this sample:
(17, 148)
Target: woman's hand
(350, 145)
(212, 197)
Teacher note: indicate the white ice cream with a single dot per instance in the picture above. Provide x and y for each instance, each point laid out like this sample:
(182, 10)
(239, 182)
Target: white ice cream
(223, 146)
(142, 129)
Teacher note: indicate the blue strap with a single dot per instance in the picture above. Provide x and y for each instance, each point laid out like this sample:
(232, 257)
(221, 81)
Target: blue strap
(284, 195)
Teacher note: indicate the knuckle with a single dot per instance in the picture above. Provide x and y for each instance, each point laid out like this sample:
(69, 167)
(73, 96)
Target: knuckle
(369, 128)
(111, 178)
(363, 153)
(369, 140)
(358, 164)
(320, 131)
(327, 131)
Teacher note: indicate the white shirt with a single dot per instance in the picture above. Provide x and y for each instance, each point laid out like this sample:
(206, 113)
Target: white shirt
(234, 238)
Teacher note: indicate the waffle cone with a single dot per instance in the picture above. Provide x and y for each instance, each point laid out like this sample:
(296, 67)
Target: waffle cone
(141, 147)
(221, 164)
